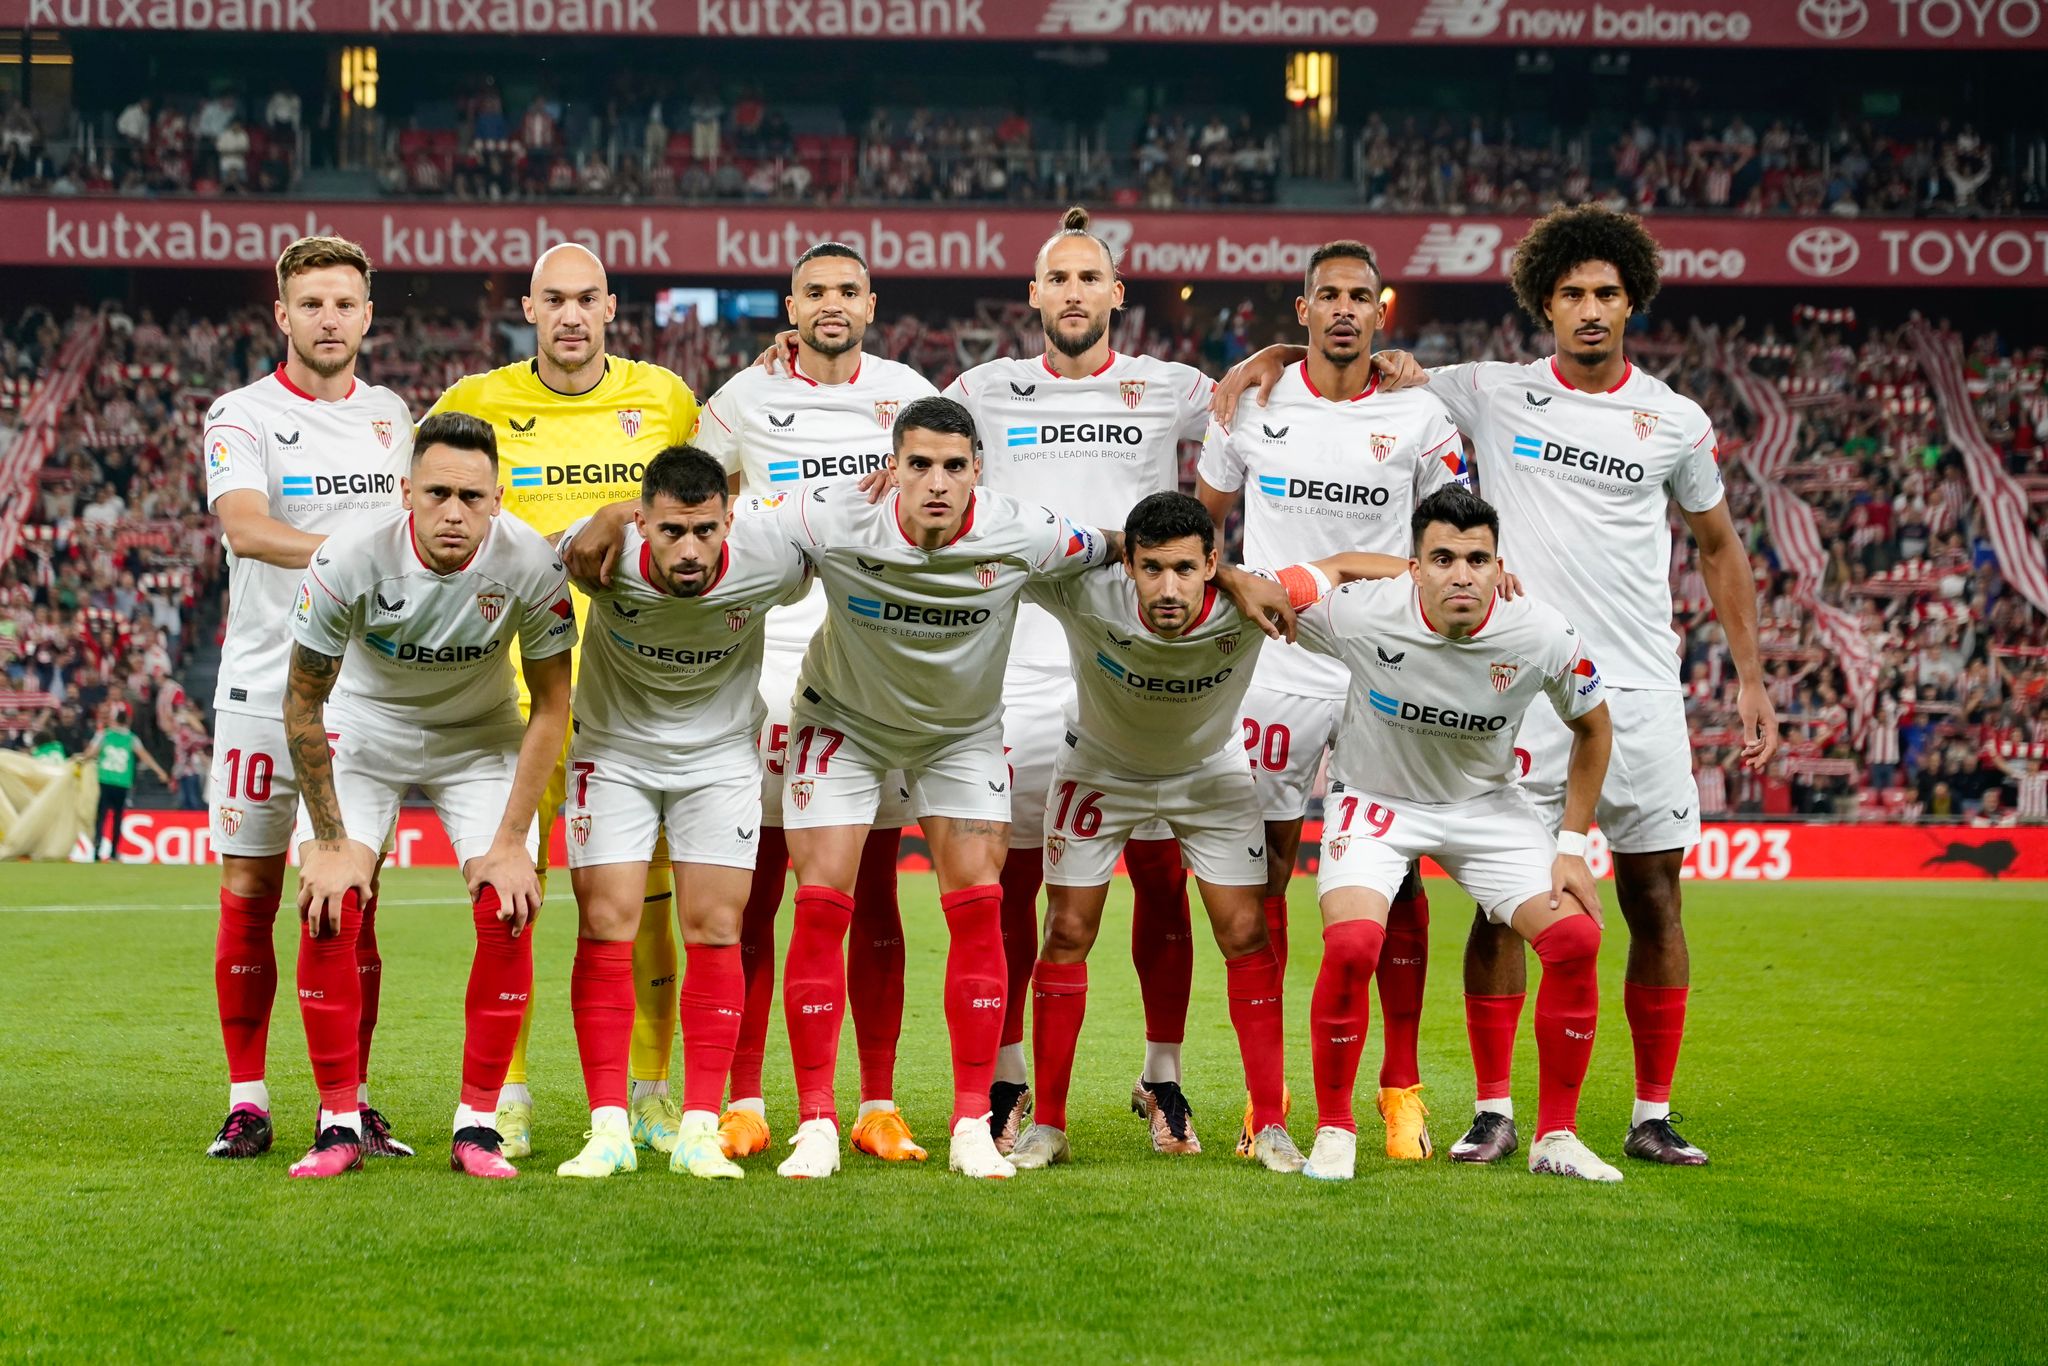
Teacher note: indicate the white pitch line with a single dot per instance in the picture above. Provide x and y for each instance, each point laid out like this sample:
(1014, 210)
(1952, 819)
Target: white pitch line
(195, 906)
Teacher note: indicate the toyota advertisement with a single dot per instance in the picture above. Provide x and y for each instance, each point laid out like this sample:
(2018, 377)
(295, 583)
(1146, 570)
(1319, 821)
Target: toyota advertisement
(965, 244)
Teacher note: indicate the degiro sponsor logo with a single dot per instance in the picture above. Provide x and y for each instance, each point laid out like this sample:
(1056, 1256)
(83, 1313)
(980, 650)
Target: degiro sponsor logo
(429, 654)
(663, 654)
(331, 485)
(825, 467)
(572, 476)
(1178, 687)
(911, 614)
(1442, 718)
(1076, 434)
(1577, 458)
(1322, 491)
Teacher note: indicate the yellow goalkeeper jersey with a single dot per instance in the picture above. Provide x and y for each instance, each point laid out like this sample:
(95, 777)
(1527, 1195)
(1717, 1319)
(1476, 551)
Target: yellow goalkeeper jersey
(564, 456)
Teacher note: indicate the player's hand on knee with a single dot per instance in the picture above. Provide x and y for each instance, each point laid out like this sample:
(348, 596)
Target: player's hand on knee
(508, 869)
(327, 876)
(1569, 873)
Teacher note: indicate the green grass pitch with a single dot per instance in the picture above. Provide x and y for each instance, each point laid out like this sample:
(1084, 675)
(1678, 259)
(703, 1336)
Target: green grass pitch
(1865, 1064)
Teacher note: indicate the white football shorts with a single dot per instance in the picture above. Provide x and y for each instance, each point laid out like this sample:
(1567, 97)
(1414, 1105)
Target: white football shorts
(1495, 846)
(1038, 711)
(778, 686)
(617, 808)
(1286, 736)
(252, 792)
(839, 764)
(1213, 811)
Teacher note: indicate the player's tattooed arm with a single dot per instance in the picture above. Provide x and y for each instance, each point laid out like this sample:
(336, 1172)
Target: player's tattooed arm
(307, 686)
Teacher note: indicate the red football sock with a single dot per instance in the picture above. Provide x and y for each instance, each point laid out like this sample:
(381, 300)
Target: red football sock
(1490, 1024)
(814, 995)
(601, 1003)
(874, 965)
(1403, 967)
(757, 960)
(1059, 1001)
(1567, 1008)
(1023, 874)
(975, 973)
(714, 990)
(1337, 1016)
(245, 980)
(369, 968)
(1656, 1024)
(1162, 937)
(1275, 908)
(329, 997)
(1253, 982)
(500, 981)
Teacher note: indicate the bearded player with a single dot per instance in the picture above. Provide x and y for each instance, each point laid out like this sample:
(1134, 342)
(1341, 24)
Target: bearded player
(401, 675)
(577, 427)
(1088, 431)
(294, 457)
(1333, 463)
(668, 709)
(1161, 660)
(824, 417)
(1583, 453)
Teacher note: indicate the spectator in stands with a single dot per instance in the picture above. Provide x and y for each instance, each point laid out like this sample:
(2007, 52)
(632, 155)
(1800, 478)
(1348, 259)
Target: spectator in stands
(281, 114)
(232, 148)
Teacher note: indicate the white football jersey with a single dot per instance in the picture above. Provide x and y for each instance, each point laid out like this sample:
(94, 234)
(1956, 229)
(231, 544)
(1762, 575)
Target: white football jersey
(1583, 483)
(320, 465)
(1431, 719)
(779, 430)
(1090, 448)
(428, 649)
(666, 675)
(917, 639)
(1321, 477)
(1151, 705)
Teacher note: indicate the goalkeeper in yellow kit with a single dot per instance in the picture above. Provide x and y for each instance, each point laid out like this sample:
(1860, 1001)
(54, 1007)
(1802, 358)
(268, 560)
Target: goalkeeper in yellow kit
(576, 429)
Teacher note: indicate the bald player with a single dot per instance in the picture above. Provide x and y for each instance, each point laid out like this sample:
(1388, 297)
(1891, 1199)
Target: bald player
(576, 428)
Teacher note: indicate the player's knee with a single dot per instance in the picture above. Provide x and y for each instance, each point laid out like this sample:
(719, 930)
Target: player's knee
(1243, 935)
(1068, 935)
(1568, 940)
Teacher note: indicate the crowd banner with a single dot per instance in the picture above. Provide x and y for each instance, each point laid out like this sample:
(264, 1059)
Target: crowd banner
(712, 241)
(36, 434)
(1701, 24)
(2006, 514)
(1731, 851)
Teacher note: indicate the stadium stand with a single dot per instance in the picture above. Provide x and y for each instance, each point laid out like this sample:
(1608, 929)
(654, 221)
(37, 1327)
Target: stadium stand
(1911, 672)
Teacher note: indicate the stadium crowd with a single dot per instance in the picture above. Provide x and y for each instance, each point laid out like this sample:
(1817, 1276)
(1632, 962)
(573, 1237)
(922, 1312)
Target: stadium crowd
(1692, 150)
(112, 597)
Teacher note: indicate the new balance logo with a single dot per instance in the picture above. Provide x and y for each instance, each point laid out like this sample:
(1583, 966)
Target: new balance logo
(1023, 390)
(871, 566)
(291, 440)
(1535, 402)
(392, 607)
(1458, 18)
(1083, 16)
(1391, 661)
(524, 428)
(1459, 250)
(783, 422)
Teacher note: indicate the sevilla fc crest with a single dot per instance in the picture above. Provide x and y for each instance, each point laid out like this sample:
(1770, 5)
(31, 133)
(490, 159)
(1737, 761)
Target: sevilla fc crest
(382, 431)
(492, 605)
(1228, 643)
(629, 421)
(800, 790)
(736, 618)
(1133, 391)
(985, 573)
(230, 819)
(1645, 423)
(1502, 675)
(1055, 845)
(579, 830)
(1338, 845)
(885, 413)
(1383, 446)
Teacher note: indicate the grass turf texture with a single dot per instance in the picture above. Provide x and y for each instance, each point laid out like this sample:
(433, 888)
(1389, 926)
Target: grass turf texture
(1859, 1057)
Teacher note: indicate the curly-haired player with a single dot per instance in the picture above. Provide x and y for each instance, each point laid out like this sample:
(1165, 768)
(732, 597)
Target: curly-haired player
(1581, 453)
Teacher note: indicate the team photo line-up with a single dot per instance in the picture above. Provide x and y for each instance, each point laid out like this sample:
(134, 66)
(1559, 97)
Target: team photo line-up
(834, 602)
